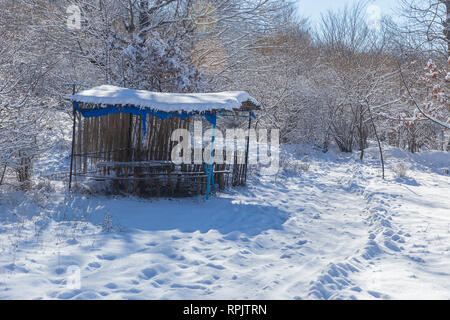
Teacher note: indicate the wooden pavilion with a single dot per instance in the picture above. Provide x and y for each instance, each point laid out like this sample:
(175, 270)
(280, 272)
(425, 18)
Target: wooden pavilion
(123, 137)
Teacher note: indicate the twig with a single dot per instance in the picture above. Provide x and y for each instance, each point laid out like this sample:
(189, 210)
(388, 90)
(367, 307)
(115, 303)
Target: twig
(443, 124)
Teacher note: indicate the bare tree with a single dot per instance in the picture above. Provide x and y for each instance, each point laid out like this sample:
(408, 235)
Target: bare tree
(356, 70)
(22, 115)
(428, 24)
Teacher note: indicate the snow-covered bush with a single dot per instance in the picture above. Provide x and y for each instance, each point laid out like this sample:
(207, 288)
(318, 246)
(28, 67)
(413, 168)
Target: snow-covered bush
(400, 170)
(21, 140)
(42, 192)
(107, 223)
(24, 66)
(425, 119)
(292, 166)
(156, 64)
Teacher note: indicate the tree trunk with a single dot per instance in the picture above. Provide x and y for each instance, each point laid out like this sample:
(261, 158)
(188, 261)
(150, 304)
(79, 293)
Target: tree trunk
(447, 26)
(143, 19)
(378, 138)
(3, 175)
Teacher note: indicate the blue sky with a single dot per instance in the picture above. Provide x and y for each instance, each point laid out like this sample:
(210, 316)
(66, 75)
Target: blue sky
(313, 8)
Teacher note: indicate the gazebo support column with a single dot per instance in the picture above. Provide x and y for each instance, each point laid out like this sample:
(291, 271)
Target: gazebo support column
(73, 146)
(244, 182)
(210, 169)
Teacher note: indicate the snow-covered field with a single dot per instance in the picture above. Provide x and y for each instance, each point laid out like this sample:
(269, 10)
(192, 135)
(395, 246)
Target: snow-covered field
(327, 227)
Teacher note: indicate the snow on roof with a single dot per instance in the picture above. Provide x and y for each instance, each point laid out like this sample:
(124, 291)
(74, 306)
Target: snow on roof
(168, 102)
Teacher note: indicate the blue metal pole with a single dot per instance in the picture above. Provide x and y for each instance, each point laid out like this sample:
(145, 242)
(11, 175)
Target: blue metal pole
(210, 170)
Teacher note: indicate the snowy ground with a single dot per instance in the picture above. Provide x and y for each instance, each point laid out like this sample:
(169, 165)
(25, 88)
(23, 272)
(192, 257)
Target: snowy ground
(333, 230)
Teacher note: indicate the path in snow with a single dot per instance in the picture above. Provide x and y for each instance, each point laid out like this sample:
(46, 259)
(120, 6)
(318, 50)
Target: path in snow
(333, 232)
(411, 218)
(267, 241)
(407, 255)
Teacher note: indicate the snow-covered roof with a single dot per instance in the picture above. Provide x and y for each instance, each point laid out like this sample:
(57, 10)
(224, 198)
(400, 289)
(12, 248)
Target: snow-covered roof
(168, 102)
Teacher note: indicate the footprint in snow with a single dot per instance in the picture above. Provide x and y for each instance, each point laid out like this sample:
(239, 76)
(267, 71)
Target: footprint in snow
(390, 245)
(186, 286)
(377, 295)
(148, 273)
(175, 256)
(133, 290)
(69, 294)
(416, 259)
(207, 282)
(109, 257)
(215, 266)
(59, 281)
(94, 265)
(111, 285)
(72, 242)
(60, 271)
(397, 238)
(15, 268)
(162, 281)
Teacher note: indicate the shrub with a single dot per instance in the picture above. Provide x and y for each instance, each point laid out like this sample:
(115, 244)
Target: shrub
(400, 170)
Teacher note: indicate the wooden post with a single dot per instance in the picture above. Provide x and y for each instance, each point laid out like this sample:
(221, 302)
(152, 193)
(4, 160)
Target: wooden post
(248, 148)
(73, 141)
